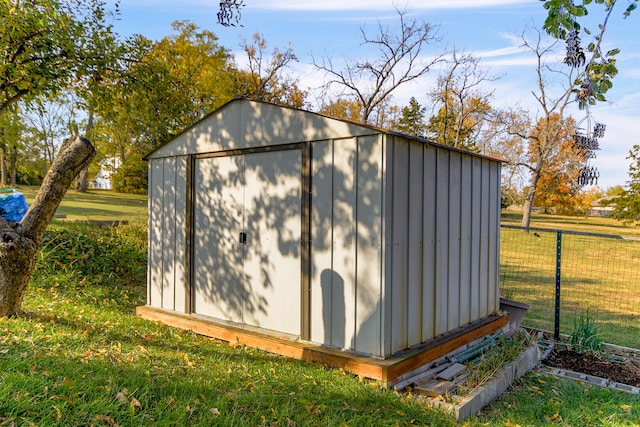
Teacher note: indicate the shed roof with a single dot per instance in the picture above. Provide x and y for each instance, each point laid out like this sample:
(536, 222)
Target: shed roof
(244, 123)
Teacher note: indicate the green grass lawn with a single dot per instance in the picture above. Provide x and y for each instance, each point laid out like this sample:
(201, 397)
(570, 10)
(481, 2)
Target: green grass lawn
(575, 223)
(80, 356)
(97, 204)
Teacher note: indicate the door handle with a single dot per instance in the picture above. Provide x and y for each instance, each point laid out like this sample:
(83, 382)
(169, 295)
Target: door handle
(243, 237)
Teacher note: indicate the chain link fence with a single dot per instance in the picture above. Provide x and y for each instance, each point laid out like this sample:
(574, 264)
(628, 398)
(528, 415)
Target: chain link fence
(564, 275)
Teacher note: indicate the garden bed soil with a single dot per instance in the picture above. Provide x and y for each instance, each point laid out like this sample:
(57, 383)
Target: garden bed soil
(587, 363)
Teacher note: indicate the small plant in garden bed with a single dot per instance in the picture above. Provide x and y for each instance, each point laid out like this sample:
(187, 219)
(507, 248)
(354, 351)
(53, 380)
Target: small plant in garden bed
(585, 353)
(585, 336)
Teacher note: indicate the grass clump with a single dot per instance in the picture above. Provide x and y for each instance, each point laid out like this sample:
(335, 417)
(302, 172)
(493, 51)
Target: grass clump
(585, 337)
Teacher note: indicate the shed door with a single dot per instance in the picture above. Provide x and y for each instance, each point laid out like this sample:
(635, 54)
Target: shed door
(247, 240)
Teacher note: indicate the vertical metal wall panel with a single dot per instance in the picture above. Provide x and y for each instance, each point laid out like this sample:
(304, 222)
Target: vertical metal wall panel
(322, 277)
(476, 205)
(484, 239)
(414, 313)
(180, 236)
(493, 209)
(453, 310)
(466, 218)
(387, 245)
(441, 303)
(149, 228)
(154, 275)
(343, 248)
(399, 217)
(369, 245)
(168, 234)
(429, 243)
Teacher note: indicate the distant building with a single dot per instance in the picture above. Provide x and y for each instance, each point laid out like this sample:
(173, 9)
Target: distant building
(102, 180)
(602, 207)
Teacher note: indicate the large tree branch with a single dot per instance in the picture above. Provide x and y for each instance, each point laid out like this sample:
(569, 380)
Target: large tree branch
(73, 155)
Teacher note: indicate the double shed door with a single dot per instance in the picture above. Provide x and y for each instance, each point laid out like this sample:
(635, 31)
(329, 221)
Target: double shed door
(247, 239)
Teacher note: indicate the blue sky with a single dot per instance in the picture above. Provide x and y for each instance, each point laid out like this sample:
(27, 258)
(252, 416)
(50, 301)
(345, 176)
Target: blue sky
(487, 28)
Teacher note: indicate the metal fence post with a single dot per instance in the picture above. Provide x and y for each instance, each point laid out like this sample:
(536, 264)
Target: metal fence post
(556, 321)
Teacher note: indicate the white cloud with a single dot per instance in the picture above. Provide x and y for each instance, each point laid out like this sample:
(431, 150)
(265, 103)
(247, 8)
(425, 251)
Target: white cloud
(505, 51)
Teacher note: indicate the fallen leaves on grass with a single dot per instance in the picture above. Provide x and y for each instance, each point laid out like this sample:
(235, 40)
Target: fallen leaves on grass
(626, 409)
(106, 419)
(124, 398)
(555, 418)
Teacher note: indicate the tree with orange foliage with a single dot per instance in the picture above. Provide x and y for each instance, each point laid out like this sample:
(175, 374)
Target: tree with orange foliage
(558, 190)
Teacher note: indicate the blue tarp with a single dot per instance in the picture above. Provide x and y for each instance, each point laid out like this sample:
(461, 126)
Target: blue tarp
(13, 205)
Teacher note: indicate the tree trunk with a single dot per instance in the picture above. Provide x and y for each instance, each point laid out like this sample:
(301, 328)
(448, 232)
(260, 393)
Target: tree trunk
(13, 166)
(82, 181)
(527, 208)
(3, 169)
(20, 243)
(3, 144)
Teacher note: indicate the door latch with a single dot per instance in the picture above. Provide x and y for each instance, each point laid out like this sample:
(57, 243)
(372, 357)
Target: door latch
(243, 237)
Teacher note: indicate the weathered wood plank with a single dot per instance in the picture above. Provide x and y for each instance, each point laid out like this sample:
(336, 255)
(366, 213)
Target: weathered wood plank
(388, 370)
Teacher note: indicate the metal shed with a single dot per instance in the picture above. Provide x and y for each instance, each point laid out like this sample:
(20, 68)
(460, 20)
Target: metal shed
(321, 231)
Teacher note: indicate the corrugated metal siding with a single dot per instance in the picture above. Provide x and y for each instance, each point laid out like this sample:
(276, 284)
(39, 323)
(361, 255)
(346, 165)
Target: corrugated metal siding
(154, 262)
(346, 254)
(370, 248)
(416, 225)
(167, 269)
(441, 302)
(494, 236)
(443, 225)
(168, 234)
(477, 309)
(429, 227)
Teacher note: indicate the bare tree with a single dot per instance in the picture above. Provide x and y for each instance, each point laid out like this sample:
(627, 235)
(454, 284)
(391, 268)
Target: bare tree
(401, 59)
(542, 135)
(21, 242)
(47, 120)
(460, 103)
(266, 78)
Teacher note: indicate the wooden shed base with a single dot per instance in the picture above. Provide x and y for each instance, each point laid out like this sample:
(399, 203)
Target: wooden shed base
(389, 371)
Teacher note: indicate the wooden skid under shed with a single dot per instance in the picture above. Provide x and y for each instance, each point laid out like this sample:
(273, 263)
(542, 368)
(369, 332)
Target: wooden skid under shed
(389, 371)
